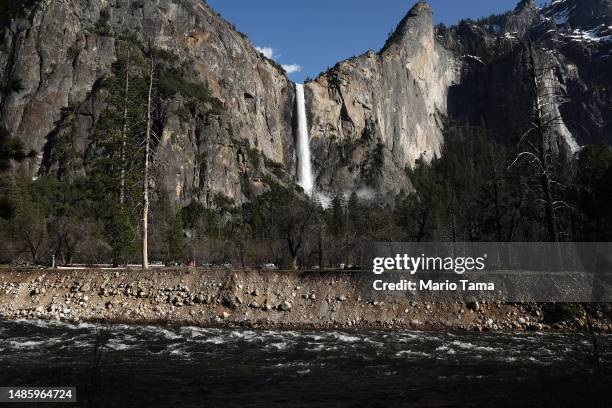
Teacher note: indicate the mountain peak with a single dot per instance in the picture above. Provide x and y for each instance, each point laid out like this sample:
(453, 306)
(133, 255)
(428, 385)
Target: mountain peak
(525, 5)
(420, 11)
(421, 7)
(417, 22)
(524, 15)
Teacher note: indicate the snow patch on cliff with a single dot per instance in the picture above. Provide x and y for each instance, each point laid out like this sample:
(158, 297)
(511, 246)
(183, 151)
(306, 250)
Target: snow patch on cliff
(600, 34)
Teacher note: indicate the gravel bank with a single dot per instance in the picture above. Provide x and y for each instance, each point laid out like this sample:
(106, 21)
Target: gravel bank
(266, 299)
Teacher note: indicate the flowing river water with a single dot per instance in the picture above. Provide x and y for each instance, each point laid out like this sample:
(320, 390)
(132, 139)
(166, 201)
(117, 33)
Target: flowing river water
(129, 366)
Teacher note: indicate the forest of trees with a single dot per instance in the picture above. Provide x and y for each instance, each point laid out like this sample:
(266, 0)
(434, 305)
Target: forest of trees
(481, 189)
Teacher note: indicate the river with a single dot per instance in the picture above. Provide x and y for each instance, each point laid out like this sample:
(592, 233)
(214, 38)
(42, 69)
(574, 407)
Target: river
(128, 366)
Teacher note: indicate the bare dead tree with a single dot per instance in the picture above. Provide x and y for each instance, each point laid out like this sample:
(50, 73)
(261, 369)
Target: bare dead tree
(146, 181)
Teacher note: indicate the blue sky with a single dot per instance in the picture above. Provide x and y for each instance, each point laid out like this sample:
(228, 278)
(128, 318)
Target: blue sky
(315, 34)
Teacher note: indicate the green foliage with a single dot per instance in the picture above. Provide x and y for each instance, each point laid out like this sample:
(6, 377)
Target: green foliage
(137, 4)
(10, 9)
(120, 233)
(561, 312)
(112, 150)
(253, 156)
(28, 222)
(594, 172)
(191, 214)
(463, 196)
(223, 202)
(472, 40)
(102, 26)
(167, 239)
(94, 194)
(10, 86)
(277, 168)
(417, 213)
(175, 239)
(275, 64)
(472, 193)
(336, 218)
(172, 81)
(10, 149)
(61, 148)
(353, 208)
(487, 22)
(264, 212)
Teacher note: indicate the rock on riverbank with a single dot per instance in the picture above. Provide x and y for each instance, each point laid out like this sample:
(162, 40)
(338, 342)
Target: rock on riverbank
(267, 299)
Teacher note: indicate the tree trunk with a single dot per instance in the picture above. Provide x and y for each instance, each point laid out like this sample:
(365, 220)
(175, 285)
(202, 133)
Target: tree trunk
(125, 127)
(550, 211)
(422, 224)
(321, 249)
(498, 227)
(145, 182)
(34, 253)
(294, 250)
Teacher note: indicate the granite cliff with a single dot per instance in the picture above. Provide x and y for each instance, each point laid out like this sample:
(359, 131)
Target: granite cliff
(374, 115)
(371, 117)
(59, 52)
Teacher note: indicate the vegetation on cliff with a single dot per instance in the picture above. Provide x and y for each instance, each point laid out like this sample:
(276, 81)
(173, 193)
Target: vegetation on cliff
(10, 9)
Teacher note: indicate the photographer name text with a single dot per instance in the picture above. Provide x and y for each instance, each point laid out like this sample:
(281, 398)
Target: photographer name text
(433, 286)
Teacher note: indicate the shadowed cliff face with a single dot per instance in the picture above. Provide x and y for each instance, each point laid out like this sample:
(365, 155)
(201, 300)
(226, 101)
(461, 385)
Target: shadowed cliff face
(370, 117)
(574, 49)
(374, 115)
(580, 13)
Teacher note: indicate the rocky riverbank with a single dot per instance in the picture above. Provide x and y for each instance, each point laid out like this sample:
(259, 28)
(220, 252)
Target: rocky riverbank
(261, 299)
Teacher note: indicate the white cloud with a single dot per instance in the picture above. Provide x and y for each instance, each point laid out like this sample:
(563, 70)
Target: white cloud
(268, 52)
(292, 68)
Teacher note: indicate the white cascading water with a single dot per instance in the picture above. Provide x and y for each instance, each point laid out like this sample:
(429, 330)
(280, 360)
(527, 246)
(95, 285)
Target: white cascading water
(305, 178)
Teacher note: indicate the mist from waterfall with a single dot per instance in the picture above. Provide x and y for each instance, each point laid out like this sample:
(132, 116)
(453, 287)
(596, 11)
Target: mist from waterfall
(305, 178)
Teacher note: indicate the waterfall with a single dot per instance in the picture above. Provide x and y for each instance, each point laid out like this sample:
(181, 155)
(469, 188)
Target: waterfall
(305, 178)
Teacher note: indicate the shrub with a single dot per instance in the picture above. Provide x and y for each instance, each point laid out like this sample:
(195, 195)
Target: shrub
(561, 312)
(172, 81)
(10, 9)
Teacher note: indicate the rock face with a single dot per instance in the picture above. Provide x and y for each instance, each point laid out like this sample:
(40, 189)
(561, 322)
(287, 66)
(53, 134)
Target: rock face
(524, 15)
(371, 117)
(575, 52)
(60, 51)
(580, 13)
(375, 115)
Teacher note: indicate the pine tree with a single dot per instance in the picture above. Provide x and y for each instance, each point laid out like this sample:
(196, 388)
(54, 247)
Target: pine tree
(337, 219)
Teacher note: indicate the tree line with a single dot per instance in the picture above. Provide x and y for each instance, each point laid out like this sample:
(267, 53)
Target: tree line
(482, 188)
